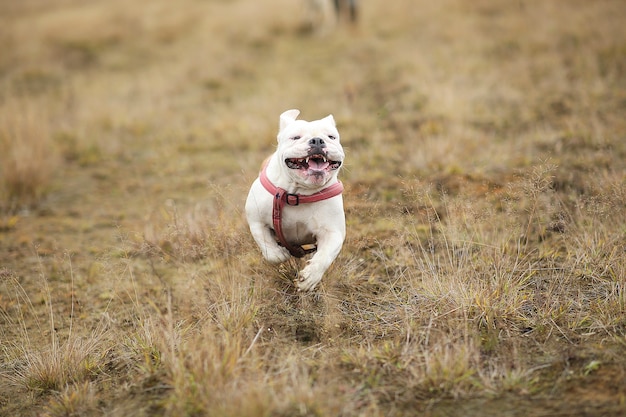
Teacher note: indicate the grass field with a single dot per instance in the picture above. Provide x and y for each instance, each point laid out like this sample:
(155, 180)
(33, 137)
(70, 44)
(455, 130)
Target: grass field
(484, 272)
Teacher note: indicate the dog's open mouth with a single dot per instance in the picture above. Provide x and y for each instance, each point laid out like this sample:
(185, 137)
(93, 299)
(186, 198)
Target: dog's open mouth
(316, 162)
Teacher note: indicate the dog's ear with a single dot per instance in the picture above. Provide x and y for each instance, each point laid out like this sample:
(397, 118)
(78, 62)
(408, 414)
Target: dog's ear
(330, 119)
(288, 117)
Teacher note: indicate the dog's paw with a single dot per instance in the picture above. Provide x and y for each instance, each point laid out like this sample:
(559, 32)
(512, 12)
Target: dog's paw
(308, 278)
(276, 255)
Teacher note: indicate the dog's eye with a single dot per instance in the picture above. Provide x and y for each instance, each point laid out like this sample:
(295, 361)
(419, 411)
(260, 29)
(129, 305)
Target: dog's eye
(296, 137)
(332, 137)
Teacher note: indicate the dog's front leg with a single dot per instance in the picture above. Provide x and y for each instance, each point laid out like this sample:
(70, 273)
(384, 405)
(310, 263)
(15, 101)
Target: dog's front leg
(270, 249)
(328, 247)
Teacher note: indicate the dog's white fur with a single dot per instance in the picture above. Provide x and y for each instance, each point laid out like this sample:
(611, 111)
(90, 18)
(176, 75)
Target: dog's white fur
(322, 222)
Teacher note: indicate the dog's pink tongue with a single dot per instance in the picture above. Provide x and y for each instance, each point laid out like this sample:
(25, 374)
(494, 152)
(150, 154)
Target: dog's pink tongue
(318, 165)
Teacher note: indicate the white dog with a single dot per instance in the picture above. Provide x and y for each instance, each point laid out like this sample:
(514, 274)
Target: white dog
(322, 15)
(295, 207)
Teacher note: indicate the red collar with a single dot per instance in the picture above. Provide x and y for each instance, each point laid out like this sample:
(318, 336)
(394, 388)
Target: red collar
(282, 198)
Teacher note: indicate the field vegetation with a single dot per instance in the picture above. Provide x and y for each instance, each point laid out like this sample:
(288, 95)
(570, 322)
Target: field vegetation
(484, 272)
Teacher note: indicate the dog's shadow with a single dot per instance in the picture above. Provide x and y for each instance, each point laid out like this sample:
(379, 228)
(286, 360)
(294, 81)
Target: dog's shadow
(294, 314)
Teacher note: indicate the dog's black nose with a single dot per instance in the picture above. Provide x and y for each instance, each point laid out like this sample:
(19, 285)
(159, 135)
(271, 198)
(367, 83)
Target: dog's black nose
(317, 143)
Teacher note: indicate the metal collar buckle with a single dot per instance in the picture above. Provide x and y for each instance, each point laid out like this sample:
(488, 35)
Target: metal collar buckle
(292, 199)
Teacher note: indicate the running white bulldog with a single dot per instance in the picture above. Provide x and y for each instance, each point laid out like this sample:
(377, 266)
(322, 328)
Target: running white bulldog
(295, 207)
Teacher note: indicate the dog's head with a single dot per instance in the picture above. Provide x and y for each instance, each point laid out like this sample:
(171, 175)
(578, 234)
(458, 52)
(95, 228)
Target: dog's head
(310, 152)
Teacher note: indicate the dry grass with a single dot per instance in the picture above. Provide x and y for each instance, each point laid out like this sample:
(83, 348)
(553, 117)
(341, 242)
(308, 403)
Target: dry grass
(484, 269)
(28, 156)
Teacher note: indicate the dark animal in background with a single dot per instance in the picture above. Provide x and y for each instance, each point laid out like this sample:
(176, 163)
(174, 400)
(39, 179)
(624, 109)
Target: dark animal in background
(322, 16)
(347, 8)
